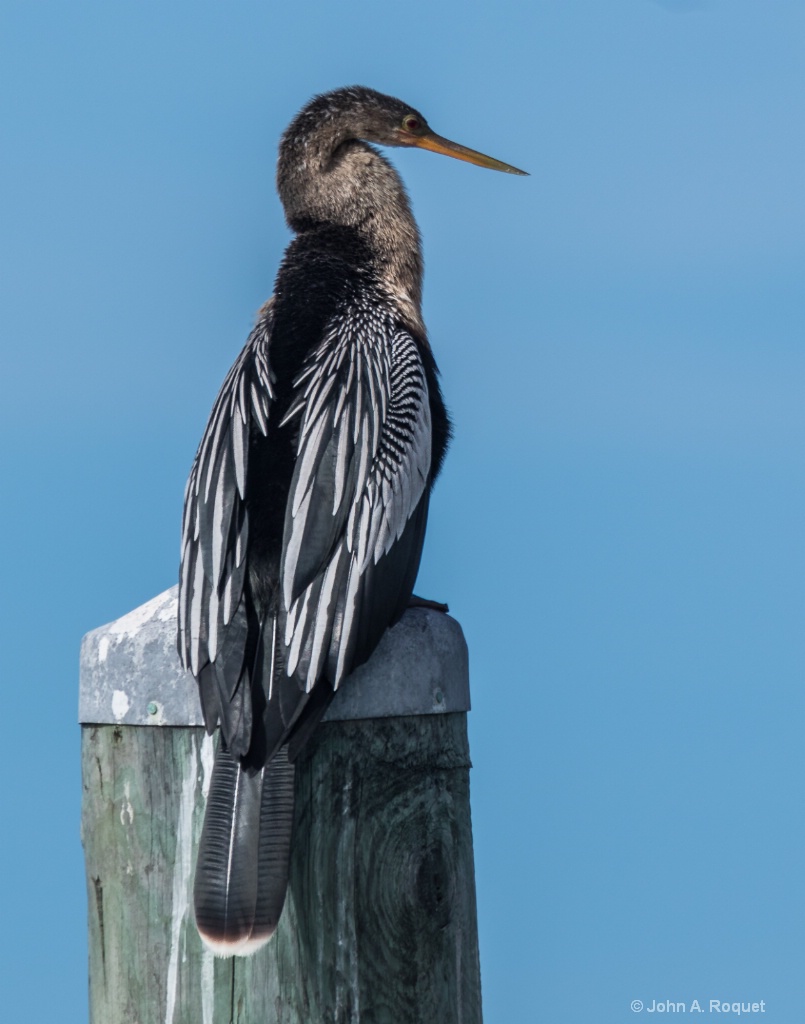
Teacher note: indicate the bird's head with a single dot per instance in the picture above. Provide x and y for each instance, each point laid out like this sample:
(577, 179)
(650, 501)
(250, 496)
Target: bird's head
(360, 113)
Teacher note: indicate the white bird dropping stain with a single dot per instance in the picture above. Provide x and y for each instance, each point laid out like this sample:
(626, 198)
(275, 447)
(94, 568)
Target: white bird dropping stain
(120, 705)
(182, 868)
(207, 762)
(207, 759)
(126, 810)
(207, 985)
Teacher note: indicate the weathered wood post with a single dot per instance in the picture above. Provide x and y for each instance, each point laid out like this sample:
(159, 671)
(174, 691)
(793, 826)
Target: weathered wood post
(379, 924)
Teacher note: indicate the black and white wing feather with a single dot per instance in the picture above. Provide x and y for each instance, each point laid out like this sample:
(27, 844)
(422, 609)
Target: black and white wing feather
(356, 512)
(360, 417)
(215, 533)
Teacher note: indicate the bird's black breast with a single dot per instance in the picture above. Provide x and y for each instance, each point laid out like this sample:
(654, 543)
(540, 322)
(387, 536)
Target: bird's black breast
(325, 271)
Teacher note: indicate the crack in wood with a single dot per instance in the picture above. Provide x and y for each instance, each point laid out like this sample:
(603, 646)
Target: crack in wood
(99, 908)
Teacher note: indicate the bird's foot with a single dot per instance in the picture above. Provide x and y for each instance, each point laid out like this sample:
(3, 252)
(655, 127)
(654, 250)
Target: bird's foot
(423, 602)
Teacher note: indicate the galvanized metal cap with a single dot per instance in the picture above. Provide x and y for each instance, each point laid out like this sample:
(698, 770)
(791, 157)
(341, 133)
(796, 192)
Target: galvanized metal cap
(131, 673)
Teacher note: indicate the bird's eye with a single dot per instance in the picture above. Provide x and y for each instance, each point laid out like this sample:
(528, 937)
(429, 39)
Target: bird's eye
(411, 123)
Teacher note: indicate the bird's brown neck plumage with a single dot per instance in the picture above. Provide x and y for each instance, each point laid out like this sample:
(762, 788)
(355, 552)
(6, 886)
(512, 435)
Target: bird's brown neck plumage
(328, 175)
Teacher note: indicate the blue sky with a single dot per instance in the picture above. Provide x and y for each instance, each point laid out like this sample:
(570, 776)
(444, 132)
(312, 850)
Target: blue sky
(619, 524)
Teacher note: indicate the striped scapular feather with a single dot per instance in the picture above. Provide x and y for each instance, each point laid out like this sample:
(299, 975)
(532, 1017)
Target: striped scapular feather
(363, 465)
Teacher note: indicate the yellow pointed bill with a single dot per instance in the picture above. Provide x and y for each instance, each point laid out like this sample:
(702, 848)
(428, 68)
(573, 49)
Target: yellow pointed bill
(436, 144)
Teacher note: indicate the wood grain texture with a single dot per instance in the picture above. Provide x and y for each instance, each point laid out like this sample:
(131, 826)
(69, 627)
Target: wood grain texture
(142, 811)
(380, 923)
(379, 926)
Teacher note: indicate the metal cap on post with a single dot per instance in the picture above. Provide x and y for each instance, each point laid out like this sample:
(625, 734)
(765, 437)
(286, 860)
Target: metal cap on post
(131, 673)
(382, 848)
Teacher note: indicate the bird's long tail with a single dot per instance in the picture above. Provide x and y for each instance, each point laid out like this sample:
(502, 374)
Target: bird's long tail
(242, 866)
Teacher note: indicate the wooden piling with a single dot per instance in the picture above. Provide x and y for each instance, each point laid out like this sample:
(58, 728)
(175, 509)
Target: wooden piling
(379, 924)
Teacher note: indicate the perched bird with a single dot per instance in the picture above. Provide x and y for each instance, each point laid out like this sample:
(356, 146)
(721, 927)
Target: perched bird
(306, 505)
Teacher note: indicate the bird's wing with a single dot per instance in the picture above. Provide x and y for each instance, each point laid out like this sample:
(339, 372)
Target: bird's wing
(357, 507)
(212, 603)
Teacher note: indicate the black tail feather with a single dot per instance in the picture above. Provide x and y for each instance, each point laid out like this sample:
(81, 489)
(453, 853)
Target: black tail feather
(242, 865)
(274, 846)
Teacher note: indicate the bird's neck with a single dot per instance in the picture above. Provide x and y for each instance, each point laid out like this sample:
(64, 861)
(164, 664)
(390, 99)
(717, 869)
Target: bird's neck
(350, 184)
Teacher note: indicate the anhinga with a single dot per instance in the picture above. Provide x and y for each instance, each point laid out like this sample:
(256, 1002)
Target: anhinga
(306, 505)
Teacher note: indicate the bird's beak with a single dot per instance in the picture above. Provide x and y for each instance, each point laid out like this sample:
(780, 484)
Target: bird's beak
(436, 144)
